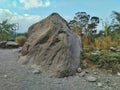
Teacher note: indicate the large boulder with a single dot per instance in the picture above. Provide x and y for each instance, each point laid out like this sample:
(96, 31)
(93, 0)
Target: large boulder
(52, 45)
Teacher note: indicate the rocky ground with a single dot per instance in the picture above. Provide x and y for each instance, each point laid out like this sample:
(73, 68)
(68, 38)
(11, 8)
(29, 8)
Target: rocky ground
(14, 76)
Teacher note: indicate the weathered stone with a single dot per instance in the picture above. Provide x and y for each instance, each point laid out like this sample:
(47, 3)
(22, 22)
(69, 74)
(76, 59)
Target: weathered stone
(5, 76)
(79, 70)
(36, 71)
(91, 79)
(82, 74)
(99, 84)
(95, 73)
(52, 45)
(118, 73)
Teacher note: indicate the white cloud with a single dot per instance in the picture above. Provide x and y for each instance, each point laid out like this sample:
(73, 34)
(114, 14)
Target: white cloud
(27, 4)
(47, 3)
(14, 3)
(24, 21)
(4, 13)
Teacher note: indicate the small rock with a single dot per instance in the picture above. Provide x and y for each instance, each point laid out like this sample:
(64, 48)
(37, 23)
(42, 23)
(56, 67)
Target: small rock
(91, 79)
(5, 76)
(82, 74)
(34, 66)
(84, 64)
(36, 71)
(118, 73)
(107, 81)
(79, 70)
(109, 71)
(99, 84)
(94, 70)
(95, 73)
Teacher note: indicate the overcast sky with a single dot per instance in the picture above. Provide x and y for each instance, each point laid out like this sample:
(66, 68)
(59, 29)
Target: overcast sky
(27, 12)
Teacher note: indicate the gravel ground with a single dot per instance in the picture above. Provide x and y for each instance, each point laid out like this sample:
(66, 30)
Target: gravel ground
(14, 76)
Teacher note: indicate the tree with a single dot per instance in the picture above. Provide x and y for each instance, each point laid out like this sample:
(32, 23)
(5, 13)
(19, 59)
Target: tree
(75, 26)
(7, 30)
(107, 28)
(116, 18)
(82, 18)
(116, 25)
(86, 24)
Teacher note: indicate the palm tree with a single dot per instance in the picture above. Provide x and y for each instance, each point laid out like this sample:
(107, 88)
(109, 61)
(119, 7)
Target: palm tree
(107, 29)
(117, 18)
(116, 25)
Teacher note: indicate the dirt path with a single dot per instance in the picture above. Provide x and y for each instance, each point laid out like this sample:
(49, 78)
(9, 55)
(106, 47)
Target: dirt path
(14, 76)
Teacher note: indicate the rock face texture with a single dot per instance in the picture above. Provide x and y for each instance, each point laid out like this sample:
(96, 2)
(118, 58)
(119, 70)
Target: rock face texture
(53, 46)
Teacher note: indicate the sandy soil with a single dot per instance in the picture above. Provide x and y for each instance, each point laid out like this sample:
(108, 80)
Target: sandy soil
(14, 76)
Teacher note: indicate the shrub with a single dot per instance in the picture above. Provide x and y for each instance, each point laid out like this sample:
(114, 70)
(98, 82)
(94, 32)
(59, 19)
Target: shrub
(3, 37)
(109, 60)
(21, 40)
(83, 55)
(94, 57)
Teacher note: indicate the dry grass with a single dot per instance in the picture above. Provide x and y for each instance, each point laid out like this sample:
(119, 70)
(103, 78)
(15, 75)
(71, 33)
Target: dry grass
(21, 40)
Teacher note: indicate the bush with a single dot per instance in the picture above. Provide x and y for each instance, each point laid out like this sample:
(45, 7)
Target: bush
(3, 37)
(108, 60)
(94, 57)
(113, 57)
(83, 55)
(21, 40)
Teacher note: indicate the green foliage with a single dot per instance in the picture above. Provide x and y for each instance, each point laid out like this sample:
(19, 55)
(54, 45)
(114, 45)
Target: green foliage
(3, 36)
(105, 59)
(116, 16)
(94, 57)
(112, 57)
(84, 25)
(83, 55)
(107, 29)
(7, 30)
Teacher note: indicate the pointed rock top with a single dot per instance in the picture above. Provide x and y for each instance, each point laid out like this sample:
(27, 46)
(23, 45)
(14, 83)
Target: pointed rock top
(55, 16)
